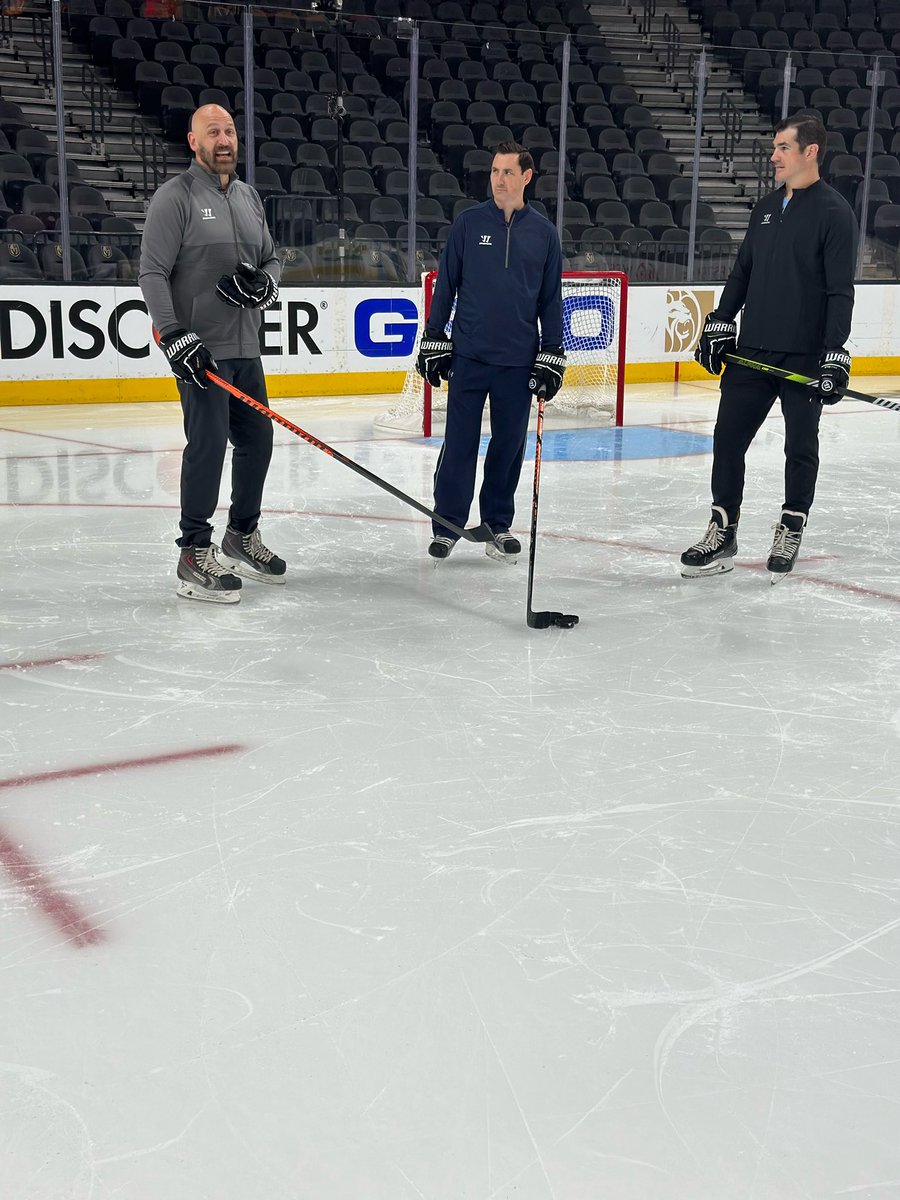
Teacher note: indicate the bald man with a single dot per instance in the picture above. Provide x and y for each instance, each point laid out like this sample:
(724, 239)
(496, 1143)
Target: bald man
(208, 269)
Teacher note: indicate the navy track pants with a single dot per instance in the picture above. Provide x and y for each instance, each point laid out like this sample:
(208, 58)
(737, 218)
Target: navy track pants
(454, 478)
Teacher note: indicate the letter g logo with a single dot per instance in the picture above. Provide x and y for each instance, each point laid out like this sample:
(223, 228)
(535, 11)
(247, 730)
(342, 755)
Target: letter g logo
(378, 336)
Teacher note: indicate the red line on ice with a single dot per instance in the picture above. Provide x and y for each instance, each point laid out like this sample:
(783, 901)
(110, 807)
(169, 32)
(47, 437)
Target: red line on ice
(120, 764)
(27, 664)
(28, 875)
(59, 908)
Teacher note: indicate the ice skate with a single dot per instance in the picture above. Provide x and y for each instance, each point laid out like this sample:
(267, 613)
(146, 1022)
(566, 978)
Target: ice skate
(441, 546)
(245, 554)
(715, 551)
(202, 577)
(788, 535)
(504, 547)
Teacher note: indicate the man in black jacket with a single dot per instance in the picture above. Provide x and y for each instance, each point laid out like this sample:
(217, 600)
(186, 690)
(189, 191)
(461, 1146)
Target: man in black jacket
(794, 280)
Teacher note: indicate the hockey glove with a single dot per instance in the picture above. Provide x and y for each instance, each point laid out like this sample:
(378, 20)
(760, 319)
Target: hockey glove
(188, 357)
(433, 363)
(548, 371)
(834, 375)
(719, 337)
(248, 287)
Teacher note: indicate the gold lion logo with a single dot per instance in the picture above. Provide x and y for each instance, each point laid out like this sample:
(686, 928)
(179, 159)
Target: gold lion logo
(686, 310)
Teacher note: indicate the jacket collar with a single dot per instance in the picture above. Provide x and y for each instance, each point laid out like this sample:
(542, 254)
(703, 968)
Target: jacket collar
(499, 215)
(206, 179)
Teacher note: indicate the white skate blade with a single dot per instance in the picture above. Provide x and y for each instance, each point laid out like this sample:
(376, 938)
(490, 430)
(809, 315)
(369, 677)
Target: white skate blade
(187, 591)
(497, 554)
(777, 576)
(718, 567)
(247, 572)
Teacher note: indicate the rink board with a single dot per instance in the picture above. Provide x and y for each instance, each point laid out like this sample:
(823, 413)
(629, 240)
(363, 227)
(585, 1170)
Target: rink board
(75, 344)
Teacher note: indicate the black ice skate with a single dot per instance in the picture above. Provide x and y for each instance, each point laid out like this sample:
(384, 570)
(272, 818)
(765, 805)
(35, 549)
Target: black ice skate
(788, 534)
(245, 554)
(715, 551)
(202, 577)
(441, 546)
(504, 547)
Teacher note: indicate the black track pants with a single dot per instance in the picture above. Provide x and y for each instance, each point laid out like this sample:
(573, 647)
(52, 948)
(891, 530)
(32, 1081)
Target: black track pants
(747, 397)
(212, 418)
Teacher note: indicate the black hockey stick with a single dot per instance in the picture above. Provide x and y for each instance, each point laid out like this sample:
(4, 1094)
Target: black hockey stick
(541, 620)
(793, 377)
(480, 533)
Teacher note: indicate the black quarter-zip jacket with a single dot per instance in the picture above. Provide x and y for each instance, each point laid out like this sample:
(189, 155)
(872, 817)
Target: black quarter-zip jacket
(194, 233)
(794, 273)
(505, 277)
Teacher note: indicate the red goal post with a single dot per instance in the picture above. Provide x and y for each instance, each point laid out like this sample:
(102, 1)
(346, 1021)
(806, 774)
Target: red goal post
(595, 318)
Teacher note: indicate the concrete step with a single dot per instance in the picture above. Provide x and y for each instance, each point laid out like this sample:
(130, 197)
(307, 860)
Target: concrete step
(117, 172)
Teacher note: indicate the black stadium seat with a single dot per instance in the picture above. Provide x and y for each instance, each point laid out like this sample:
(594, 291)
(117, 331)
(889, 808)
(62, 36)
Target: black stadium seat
(176, 106)
(50, 257)
(15, 175)
(42, 201)
(85, 201)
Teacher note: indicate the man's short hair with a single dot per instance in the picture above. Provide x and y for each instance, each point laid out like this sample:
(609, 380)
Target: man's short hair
(526, 162)
(810, 131)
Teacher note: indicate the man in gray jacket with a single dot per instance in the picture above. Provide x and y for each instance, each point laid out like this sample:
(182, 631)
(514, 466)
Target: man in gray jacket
(208, 266)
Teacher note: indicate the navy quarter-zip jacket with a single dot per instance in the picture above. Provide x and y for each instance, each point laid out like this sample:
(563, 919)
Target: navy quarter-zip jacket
(794, 273)
(505, 278)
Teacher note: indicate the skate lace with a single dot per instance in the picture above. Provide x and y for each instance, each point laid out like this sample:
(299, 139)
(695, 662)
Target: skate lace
(254, 547)
(711, 540)
(205, 558)
(786, 542)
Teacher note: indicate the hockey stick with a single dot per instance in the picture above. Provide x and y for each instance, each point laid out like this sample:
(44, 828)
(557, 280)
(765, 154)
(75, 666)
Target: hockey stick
(480, 533)
(541, 620)
(793, 377)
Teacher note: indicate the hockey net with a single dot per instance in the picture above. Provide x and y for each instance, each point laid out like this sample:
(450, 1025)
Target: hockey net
(595, 305)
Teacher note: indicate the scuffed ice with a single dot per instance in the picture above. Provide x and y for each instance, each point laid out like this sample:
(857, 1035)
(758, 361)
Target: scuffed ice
(461, 910)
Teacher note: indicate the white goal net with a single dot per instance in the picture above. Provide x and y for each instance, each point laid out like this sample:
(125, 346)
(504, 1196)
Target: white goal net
(594, 321)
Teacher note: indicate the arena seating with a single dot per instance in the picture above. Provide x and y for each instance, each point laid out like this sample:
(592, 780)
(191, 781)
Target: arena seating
(833, 44)
(489, 71)
(478, 86)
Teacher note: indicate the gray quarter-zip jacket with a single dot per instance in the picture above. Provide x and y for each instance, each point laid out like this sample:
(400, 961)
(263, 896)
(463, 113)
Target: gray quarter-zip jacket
(194, 233)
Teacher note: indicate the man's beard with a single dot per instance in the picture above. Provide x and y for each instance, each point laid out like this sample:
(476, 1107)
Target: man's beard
(222, 166)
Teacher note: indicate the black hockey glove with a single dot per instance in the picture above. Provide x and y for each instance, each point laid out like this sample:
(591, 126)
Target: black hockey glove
(719, 337)
(433, 362)
(834, 375)
(548, 371)
(188, 357)
(248, 287)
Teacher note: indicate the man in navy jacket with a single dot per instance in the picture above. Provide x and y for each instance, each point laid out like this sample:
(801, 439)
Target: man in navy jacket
(502, 265)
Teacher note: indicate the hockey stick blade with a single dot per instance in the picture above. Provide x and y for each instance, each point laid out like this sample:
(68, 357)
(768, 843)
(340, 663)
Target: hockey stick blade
(479, 533)
(792, 377)
(547, 620)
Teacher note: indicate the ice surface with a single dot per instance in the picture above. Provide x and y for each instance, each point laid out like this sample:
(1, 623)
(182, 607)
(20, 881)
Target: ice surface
(384, 896)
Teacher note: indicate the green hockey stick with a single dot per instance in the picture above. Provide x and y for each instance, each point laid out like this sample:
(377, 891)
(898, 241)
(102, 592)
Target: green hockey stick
(793, 377)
